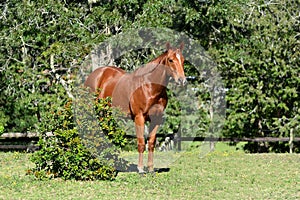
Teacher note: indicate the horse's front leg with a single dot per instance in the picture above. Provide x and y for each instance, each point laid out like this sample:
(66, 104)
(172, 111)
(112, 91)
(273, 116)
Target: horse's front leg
(151, 144)
(155, 114)
(139, 128)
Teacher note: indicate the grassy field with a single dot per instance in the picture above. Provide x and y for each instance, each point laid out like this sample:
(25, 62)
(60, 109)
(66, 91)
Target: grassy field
(223, 174)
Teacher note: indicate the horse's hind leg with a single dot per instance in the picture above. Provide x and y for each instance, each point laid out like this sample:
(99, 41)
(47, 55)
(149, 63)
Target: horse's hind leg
(139, 128)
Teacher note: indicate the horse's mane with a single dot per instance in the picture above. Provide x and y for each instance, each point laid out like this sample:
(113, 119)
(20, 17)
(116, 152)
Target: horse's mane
(149, 67)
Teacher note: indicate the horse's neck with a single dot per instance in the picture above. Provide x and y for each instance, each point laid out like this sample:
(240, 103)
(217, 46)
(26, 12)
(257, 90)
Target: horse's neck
(150, 67)
(159, 74)
(153, 72)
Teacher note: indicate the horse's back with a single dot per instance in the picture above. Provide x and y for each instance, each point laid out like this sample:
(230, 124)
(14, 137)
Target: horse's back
(105, 79)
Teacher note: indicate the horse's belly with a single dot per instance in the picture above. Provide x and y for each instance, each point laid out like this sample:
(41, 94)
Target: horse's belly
(120, 97)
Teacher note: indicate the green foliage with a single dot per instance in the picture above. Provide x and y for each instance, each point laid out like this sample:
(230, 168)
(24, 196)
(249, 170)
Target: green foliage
(186, 111)
(87, 154)
(256, 47)
(96, 121)
(172, 118)
(107, 121)
(254, 43)
(3, 120)
(1, 129)
(65, 156)
(41, 47)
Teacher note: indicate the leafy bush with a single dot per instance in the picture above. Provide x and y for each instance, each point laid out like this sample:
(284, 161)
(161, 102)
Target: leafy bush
(65, 156)
(107, 120)
(85, 153)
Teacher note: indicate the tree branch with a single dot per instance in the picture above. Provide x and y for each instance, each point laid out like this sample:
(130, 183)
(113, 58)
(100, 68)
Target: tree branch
(58, 77)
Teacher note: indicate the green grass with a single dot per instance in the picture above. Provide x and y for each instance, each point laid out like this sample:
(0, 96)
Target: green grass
(223, 174)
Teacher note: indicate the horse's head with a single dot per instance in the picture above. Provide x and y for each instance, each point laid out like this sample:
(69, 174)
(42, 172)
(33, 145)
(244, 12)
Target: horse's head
(174, 62)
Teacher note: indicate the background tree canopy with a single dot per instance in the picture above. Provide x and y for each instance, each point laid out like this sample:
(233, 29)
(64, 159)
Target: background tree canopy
(254, 43)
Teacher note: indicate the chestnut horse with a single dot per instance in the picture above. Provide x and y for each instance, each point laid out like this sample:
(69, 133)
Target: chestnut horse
(141, 94)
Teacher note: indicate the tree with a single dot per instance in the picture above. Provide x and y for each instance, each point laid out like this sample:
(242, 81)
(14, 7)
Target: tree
(260, 67)
(254, 43)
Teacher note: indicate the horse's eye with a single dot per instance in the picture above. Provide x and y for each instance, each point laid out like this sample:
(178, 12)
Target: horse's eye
(170, 60)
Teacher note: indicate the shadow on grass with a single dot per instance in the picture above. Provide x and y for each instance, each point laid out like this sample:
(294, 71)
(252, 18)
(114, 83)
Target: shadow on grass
(133, 168)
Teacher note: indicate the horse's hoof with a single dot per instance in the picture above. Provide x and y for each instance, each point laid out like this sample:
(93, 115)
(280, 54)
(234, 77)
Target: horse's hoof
(141, 170)
(142, 173)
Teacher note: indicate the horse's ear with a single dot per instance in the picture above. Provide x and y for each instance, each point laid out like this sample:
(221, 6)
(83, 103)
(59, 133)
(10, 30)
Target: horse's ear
(181, 46)
(168, 45)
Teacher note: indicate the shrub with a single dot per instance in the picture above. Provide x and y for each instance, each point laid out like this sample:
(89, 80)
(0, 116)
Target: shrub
(87, 152)
(107, 120)
(65, 156)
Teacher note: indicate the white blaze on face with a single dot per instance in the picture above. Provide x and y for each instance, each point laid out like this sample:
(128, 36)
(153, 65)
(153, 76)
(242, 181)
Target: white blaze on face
(178, 57)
